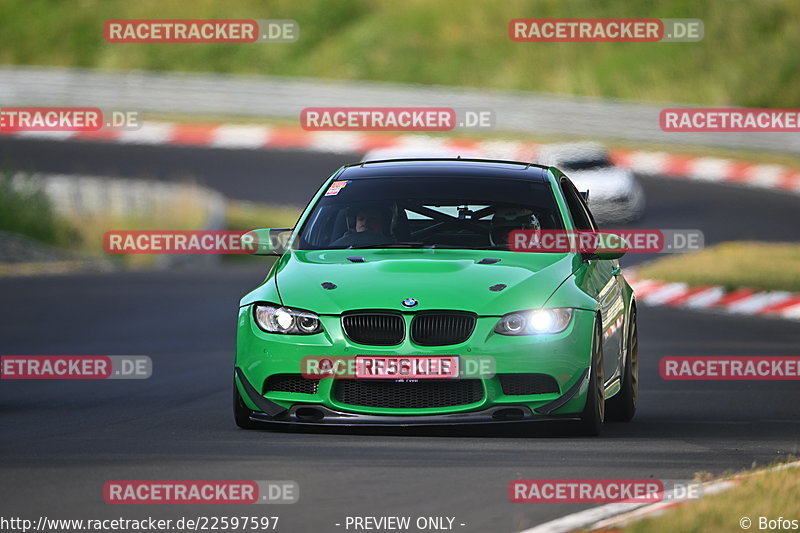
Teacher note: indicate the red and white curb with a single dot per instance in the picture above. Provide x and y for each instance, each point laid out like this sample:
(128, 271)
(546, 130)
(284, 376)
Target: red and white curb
(777, 304)
(615, 515)
(250, 137)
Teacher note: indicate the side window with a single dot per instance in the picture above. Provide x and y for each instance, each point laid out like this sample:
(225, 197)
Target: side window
(581, 216)
(585, 205)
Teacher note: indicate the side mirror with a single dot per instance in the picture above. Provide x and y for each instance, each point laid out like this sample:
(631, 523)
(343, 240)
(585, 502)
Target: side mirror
(610, 246)
(604, 245)
(267, 241)
(585, 195)
(609, 255)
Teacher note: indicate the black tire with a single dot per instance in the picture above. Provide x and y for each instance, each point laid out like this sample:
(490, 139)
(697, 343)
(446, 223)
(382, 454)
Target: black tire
(593, 414)
(622, 406)
(241, 414)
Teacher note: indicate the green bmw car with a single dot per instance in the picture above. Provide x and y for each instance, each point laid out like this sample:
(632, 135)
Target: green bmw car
(398, 300)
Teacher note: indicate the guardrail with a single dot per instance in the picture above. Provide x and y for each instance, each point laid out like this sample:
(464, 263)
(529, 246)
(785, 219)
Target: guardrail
(95, 195)
(263, 96)
(249, 137)
(128, 199)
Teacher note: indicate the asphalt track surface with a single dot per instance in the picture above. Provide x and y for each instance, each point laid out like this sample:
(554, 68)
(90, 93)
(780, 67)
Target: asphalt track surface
(60, 441)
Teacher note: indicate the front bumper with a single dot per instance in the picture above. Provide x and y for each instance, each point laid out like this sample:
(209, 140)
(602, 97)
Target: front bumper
(319, 415)
(564, 356)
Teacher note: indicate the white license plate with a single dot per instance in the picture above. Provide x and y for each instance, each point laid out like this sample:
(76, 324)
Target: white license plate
(407, 367)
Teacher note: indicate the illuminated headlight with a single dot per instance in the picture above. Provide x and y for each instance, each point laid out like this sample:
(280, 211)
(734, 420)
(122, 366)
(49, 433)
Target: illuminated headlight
(538, 322)
(277, 319)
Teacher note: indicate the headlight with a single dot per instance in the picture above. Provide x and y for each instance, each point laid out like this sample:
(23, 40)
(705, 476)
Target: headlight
(277, 319)
(538, 322)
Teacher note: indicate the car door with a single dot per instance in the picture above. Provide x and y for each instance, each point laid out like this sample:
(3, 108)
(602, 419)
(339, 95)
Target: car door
(601, 281)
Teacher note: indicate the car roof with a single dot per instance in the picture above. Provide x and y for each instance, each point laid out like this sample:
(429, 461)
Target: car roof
(445, 167)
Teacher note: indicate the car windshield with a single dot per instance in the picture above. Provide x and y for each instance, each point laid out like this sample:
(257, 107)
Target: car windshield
(427, 212)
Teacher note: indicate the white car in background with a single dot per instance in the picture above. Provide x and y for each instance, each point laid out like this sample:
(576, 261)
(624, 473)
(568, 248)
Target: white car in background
(615, 195)
(420, 152)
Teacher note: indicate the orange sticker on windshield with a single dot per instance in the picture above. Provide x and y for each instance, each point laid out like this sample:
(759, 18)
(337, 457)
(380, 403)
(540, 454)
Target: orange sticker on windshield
(335, 187)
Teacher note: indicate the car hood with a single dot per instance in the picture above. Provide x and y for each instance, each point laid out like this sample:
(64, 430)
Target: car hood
(437, 279)
(604, 182)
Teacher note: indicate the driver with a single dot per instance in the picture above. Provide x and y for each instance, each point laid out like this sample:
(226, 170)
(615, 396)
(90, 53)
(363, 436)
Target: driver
(370, 228)
(507, 219)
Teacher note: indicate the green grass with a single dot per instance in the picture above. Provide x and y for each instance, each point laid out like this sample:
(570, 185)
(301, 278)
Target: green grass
(244, 216)
(765, 494)
(748, 56)
(27, 211)
(184, 212)
(754, 265)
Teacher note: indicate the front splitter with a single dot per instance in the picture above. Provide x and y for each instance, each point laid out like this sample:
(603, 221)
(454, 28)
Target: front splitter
(319, 415)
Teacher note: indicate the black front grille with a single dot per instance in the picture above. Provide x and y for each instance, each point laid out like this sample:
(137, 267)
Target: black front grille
(521, 384)
(441, 329)
(408, 395)
(375, 329)
(290, 383)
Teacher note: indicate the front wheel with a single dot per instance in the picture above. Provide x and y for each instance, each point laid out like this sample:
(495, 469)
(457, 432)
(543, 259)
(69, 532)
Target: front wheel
(593, 414)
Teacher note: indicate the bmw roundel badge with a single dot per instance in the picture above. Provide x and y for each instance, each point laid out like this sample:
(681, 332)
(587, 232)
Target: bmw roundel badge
(410, 302)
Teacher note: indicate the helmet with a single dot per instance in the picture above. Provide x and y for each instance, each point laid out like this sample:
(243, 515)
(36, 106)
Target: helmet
(383, 214)
(507, 219)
